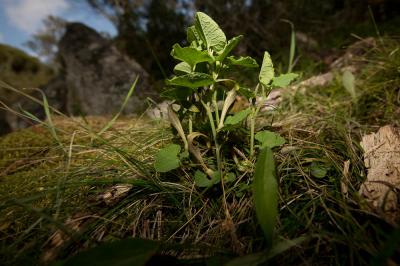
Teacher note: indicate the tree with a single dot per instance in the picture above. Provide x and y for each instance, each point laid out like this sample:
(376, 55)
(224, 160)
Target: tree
(44, 43)
(147, 29)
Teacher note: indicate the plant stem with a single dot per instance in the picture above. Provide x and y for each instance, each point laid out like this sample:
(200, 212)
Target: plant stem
(254, 113)
(215, 104)
(190, 124)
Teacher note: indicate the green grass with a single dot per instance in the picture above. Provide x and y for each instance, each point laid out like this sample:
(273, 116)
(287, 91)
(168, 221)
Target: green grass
(321, 126)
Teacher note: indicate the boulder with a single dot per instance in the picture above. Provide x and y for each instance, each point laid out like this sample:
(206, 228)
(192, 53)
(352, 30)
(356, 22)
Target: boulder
(96, 75)
(93, 79)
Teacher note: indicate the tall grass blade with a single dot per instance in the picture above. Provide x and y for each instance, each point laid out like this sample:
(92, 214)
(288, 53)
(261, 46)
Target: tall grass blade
(128, 96)
(292, 45)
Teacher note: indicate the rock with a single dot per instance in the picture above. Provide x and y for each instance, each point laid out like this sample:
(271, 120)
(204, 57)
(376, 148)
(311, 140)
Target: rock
(97, 76)
(382, 159)
(94, 79)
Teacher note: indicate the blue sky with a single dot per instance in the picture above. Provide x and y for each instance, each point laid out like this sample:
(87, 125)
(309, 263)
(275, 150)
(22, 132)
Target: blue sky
(19, 19)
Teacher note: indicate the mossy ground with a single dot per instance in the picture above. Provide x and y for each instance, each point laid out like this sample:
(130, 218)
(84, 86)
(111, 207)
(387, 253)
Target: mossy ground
(44, 182)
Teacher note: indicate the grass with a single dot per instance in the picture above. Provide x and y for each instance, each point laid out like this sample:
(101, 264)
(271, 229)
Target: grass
(42, 186)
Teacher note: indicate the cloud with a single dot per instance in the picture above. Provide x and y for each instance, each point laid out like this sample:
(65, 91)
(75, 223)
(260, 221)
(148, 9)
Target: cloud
(1, 37)
(27, 15)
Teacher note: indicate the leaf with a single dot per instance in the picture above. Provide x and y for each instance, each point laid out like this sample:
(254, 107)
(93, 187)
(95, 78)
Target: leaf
(246, 92)
(267, 70)
(265, 193)
(348, 83)
(182, 67)
(230, 98)
(194, 109)
(201, 179)
(120, 253)
(246, 61)
(232, 43)
(191, 80)
(318, 170)
(292, 45)
(229, 177)
(284, 245)
(238, 117)
(283, 80)
(210, 32)
(167, 158)
(176, 123)
(269, 139)
(190, 55)
(195, 151)
(260, 258)
(192, 35)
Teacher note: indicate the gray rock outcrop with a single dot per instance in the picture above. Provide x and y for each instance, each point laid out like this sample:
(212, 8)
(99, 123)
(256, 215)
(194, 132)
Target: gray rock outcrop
(94, 79)
(96, 75)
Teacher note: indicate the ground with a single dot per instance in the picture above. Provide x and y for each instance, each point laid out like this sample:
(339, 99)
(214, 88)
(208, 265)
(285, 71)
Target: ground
(66, 187)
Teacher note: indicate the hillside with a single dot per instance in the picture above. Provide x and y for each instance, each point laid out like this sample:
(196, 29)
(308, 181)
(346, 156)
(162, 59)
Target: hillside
(70, 184)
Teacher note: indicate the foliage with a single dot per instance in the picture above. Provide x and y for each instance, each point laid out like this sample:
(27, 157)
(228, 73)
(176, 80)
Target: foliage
(21, 70)
(209, 93)
(265, 191)
(146, 29)
(43, 189)
(44, 42)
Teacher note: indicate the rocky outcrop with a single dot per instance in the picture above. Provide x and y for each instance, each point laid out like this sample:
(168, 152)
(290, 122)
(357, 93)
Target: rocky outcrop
(94, 79)
(97, 76)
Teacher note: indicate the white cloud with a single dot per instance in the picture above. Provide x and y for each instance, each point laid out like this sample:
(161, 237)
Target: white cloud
(27, 15)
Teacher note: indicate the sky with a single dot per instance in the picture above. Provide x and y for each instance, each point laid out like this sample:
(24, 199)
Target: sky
(19, 19)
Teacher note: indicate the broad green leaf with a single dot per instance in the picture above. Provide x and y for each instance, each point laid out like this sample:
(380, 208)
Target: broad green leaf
(210, 32)
(182, 68)
(267, 70)
(167, 158)
(190, 55)
(192, 35)
(269, 139)
(201, 179)
(283, 80)
(179, 94)
(120, 253)
(265, 193)
(238, 117)
(348, 83)
(191, 80)
(246, 61)
(232, 43)
(318, 170)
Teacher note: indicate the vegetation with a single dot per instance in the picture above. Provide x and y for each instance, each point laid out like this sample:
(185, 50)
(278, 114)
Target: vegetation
(21, 71)
(144, 34)
(68, 185)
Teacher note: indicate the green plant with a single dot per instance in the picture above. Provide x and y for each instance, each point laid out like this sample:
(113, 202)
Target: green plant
(204, 92)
